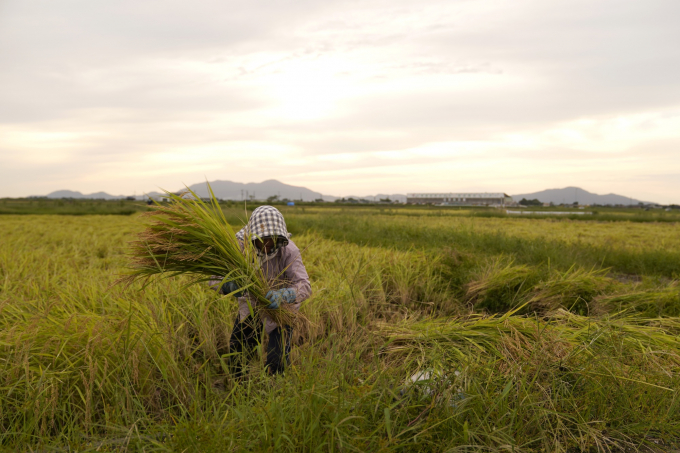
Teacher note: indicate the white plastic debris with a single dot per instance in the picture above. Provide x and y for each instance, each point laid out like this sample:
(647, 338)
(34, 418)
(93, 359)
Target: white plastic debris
(428, 380)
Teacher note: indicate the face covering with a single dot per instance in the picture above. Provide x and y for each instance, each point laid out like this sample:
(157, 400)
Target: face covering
(263, 257)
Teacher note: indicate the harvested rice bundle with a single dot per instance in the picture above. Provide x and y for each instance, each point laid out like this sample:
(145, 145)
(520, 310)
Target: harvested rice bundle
(565, 331)
(663, 301)
(191, 237)
(460, 336)
(573, 290)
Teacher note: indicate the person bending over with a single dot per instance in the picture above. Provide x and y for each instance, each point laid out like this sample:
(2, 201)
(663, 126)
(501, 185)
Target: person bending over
(281, 262)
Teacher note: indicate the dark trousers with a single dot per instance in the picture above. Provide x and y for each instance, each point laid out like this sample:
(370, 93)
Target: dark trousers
(246, 336)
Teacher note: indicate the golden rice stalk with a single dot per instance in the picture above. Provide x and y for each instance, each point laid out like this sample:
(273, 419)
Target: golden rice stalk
(462, 337)
(191, 237)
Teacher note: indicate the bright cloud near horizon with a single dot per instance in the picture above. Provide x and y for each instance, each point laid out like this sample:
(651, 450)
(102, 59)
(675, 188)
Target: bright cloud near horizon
(343, 97)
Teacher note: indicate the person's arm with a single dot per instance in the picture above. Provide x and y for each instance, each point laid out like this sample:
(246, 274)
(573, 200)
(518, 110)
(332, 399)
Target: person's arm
(226, 288)
(297, 274)
(298, 287)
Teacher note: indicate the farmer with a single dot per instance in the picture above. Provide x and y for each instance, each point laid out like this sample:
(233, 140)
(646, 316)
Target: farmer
(281, 262)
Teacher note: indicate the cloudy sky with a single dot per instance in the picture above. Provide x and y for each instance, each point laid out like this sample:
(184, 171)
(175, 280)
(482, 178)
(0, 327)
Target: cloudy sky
(341, 96)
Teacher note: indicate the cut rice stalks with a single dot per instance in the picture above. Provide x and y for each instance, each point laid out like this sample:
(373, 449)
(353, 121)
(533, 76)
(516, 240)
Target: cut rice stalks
(567, 332)
(191, 237)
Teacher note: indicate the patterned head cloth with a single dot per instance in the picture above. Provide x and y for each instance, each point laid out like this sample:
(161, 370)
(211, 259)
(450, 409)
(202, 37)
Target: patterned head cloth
(265, 221)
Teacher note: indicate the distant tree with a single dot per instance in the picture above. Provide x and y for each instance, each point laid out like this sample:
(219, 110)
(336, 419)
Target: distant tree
(272, 199)
(319, 200)
(385, 200)
(533, 202)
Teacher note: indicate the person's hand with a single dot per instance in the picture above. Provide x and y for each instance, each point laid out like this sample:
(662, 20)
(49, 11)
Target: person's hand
(281, 296)
(231, 287)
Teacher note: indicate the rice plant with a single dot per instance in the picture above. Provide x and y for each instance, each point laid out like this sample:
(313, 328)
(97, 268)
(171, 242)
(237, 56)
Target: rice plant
(87, 366)
(574, 290)
(662, 301)
(485, 334)
(500, 285)
(191, 237)
(554, 383)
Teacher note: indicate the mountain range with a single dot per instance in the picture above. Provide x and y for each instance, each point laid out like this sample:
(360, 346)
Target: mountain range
(75, 194)
(228, 190)
(570, 195)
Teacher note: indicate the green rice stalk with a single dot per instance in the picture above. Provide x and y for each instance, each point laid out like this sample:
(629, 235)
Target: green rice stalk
(462, 337)
(573, 290)
(191, 237)
(500, 285)
(500, 274)
(664, 301)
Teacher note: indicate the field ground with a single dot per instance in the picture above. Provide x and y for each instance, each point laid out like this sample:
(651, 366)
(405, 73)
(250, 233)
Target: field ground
(528, 335)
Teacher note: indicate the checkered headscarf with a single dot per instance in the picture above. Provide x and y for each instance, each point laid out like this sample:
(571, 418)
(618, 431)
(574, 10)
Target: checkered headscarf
(265, 221)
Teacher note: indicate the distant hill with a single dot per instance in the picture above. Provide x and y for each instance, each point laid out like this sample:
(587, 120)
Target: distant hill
(73, 194)
(571, 194)
(228, 190)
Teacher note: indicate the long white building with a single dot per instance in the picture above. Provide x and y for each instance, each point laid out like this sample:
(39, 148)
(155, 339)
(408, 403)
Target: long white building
(460, 199)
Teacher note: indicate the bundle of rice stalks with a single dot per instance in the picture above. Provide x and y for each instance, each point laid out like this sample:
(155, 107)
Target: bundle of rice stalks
(573, 290)
(191, 237)
(657, 302)
(500, 285)
(637, 334)
(459, 337)
(565, 332)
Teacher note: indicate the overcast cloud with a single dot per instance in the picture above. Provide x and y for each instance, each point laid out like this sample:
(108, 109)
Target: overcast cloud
(344, 97)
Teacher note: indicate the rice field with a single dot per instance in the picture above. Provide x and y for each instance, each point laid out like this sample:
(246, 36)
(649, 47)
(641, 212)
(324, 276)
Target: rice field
(427, 331)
